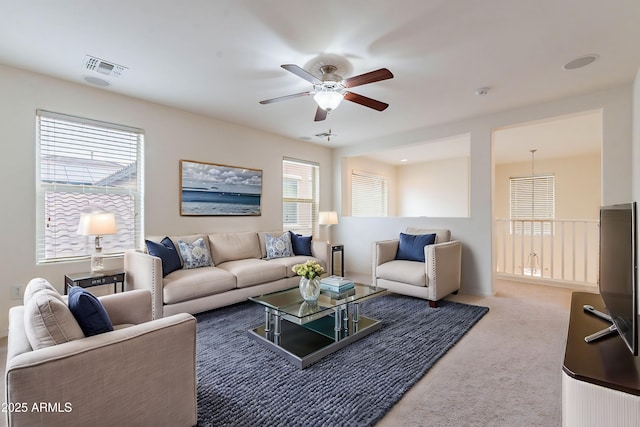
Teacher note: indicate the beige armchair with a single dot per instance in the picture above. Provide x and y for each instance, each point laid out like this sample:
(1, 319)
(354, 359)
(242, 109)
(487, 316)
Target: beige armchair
(140, 374)
(432, 280)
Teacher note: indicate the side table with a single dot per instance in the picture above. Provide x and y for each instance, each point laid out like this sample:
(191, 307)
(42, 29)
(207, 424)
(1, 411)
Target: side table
(86, 280)
(337, 247)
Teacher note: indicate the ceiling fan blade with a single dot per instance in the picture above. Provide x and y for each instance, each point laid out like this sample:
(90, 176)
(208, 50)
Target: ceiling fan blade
(282, 98)
(300, 72)
(320, 115)
(370, 77)
(367, 102)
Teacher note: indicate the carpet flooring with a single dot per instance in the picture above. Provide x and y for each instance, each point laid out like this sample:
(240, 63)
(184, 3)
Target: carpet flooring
(241, 383)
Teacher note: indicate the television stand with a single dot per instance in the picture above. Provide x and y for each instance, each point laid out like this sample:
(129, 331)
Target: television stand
(603, 333)
(600, 380)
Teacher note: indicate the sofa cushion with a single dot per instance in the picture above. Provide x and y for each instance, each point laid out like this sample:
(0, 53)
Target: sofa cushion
(442, 234)
(233, 246)
(411, 272)
(184, 285)
(89, 312)
(278, 247)
(289, 262)
(166, 251)
(411, 246)
(253, 271)
(36, 285)
(195, 255)
(48, 320)
(301, 244)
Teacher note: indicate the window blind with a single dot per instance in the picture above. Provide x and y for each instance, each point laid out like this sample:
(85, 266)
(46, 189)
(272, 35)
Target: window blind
(300, 196)
(532, 198)
(369, 194)
(82, 163)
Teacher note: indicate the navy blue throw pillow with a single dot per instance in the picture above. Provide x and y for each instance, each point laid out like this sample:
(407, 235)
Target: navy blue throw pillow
(166, 251)
(411, 246)
(89, 312)
(301, 244)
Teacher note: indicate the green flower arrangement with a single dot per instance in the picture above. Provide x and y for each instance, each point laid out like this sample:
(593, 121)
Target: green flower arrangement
(309, 269)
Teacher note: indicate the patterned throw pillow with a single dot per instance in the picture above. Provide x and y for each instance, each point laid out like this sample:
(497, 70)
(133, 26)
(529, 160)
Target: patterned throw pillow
(278, 247)
(195, 254)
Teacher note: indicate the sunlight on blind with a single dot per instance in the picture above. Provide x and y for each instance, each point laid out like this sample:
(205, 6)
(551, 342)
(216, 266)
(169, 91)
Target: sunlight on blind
(369, 194)
(300, 196)
(82, 163)
(532, 198)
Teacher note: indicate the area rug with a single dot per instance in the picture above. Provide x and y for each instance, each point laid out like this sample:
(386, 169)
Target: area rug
(241, 383)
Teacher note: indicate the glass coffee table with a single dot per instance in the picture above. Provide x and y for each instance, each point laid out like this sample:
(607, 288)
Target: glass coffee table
(305, 332)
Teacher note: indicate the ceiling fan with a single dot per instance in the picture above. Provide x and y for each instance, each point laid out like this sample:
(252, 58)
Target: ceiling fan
(329, 91)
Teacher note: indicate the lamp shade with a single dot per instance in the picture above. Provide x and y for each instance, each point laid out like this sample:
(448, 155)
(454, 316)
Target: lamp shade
(327, 99)
(328, 218)
(97, 223)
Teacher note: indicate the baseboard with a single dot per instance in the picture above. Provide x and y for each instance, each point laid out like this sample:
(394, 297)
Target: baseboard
(548, 282)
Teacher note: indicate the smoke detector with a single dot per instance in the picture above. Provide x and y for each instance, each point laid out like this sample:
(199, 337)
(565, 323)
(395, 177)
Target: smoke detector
(100, 66)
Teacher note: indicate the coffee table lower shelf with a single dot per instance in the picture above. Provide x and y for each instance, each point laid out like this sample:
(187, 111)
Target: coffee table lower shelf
(304, 345)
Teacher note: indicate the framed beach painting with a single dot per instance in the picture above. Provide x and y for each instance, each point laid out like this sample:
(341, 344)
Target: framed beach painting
(212, 189)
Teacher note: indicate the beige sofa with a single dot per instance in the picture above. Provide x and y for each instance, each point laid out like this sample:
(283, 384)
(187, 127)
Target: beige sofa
(141, 373)
(240, 270)
(432, 280)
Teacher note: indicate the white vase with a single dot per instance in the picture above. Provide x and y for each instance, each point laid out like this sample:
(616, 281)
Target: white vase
(310, 288)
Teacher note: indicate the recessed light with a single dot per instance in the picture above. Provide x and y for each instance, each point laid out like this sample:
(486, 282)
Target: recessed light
(404, 160)
(96, 81)
(580, 62)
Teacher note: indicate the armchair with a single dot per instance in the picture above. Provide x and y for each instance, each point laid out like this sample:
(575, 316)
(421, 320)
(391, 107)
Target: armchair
(432, 280)
(141, 373)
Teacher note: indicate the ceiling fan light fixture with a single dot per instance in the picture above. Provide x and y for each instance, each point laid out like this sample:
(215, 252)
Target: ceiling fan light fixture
(328, 100)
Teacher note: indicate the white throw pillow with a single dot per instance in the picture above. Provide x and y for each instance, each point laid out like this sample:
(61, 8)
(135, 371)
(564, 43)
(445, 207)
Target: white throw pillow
(48, 320)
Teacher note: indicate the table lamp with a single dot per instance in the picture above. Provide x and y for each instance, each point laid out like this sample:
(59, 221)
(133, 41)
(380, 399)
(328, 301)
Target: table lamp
(328, 218)
(96, 222)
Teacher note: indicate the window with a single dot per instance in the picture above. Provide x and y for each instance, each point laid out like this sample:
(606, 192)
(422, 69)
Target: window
(532, 198)
(369, 194)
(300, 197)
(84, 163)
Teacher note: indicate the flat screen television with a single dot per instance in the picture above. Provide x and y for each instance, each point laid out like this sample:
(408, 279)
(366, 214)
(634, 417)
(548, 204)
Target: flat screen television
(618, 281)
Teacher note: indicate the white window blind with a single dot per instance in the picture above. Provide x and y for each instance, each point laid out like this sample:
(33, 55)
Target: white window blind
(300, 196)
(531, 199)
(369, 194)
(82, 163)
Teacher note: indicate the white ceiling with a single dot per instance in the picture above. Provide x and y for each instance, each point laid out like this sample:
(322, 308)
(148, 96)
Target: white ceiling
(220, 57)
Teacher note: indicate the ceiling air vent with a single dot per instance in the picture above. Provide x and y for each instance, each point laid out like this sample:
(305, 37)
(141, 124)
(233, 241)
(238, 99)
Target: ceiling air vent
(103, 67)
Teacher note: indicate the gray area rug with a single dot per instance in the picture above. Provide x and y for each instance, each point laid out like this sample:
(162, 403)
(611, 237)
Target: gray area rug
(241, 383)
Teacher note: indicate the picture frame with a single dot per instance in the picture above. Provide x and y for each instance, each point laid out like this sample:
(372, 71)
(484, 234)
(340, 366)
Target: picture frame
(210, 189)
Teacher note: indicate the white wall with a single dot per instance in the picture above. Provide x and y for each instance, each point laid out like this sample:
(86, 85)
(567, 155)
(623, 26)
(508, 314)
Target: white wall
(170, 135)
(475, 232)
(434, 189)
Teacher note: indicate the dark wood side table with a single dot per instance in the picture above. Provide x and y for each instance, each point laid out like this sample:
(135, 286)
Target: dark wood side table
(86, 280)
(337, 247)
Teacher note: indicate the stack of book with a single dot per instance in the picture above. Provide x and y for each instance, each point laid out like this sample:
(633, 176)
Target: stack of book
(336, 284)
